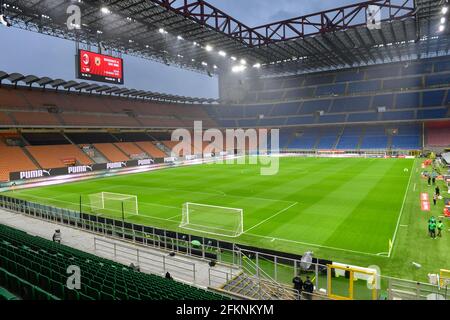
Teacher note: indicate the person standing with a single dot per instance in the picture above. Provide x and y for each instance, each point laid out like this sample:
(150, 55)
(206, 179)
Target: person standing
(430, 222)
(438, 191)
(308, 288)
(57, 236)
(440, 227)
(298, 285)
(433, 229)
(435, 199)
(433, 177)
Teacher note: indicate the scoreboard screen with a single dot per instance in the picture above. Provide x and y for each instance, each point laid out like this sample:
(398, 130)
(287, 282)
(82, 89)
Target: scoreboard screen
(98, 67)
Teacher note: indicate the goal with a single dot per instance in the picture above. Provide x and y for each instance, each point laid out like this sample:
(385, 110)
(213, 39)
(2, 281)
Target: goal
(221, 221)
(114, 204)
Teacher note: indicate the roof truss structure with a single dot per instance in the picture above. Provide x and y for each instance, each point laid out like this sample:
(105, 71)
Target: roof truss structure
(330, 39)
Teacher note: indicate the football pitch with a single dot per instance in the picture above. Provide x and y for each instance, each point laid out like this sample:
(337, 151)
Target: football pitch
(350, 206)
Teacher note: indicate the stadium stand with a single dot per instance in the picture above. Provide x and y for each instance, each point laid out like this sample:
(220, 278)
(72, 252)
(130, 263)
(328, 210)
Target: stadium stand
(151, 149)
(111, 152)
(27, 119)
(54, 156)
(438, 134)
(36, 268)
(417, 92)
(13, 159)
(350, 138)
(130, 149)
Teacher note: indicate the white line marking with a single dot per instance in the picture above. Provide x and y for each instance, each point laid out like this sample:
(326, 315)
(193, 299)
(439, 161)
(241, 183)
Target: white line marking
(311, 244)
(171, 218)
(218, 193)
(403, 225)
(414, 187)
(401, 209)
(272, 216)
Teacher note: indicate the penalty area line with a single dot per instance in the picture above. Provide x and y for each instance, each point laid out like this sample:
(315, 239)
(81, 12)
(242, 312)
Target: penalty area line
(314, 245)
(272, 216)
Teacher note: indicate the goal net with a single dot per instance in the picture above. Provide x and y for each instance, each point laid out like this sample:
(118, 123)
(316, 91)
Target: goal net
(113, 204)
(222, 221)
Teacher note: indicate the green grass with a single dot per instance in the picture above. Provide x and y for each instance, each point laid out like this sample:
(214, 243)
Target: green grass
(345, 210)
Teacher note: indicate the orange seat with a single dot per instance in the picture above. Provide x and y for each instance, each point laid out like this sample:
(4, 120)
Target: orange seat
(111, 152)
(13, 159)
(151, 149)
(129, 148)
(53, 156)
(35, 118)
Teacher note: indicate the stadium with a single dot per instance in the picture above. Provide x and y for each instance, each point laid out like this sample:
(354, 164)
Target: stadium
(320, 171)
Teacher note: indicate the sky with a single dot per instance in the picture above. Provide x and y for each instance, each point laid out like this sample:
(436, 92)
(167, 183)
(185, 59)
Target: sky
(32, 53)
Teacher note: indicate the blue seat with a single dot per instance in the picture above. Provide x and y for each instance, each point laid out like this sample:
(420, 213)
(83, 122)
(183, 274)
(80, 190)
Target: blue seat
(433, 98)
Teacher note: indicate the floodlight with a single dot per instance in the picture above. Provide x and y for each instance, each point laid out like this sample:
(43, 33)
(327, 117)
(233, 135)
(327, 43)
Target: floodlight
(222, 53)
(257, 65)
(208, 48)
(444, 10)
(441, 28)
(105, 10)
(238, 68)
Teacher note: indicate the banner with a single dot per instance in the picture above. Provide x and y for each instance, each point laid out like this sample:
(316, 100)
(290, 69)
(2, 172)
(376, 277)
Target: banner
(425, 201)
(43, 173)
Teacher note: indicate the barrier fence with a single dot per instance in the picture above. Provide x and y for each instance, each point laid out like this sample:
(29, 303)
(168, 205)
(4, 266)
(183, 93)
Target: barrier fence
(278, 268)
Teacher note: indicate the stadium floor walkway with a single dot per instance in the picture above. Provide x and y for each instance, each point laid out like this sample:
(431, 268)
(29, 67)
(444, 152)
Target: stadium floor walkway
(84, 241)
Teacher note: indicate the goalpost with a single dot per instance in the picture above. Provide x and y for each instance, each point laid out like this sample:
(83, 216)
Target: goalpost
(114, 203)
(222, 221)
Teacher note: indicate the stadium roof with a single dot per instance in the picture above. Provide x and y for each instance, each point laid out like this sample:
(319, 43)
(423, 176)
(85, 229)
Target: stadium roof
(196, 35)
(57, 84)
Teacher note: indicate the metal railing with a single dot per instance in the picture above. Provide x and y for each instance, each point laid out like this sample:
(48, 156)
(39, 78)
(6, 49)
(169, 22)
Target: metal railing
(147, 260)
(280, 269)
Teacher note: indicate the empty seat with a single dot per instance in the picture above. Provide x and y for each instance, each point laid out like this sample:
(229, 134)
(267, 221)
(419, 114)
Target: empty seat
(13, 159)
(151, 149)
(111, 152)
(54, 156)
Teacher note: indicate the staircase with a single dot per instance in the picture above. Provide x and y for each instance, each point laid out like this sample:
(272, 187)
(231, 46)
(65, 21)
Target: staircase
(161, 146)
(98, 157)
(258, 289)
(341, 133)
(254, 283)
(30, 156)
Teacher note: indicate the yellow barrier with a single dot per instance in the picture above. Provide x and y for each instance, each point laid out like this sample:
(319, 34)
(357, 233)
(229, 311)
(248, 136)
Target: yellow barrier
(372, 277)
